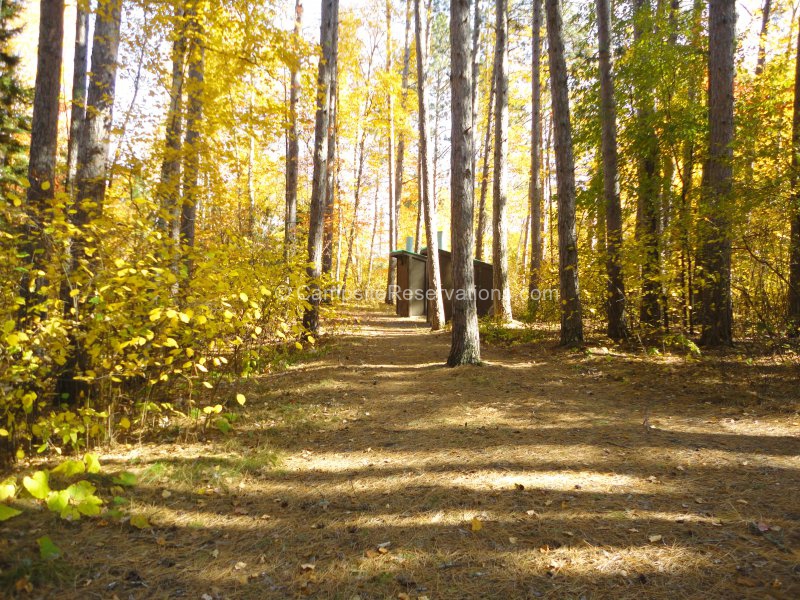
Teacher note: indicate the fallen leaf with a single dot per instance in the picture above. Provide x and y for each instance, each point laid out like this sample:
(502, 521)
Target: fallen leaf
(308, 567)
(476, 525)
(140, 522)
(241, 565)
(654, 538)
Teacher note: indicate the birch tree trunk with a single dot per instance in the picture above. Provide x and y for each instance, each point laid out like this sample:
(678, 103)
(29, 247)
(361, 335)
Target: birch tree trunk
(329, 23)
(401, 141)
(570, 301)
(617, 318)
(714, 259)
(502, 287)
(465, 347)
(293, 142)
(435, 305)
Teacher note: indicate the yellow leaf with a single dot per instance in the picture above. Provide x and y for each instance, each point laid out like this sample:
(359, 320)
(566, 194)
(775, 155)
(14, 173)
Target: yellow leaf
(241, 399)
(3, 432)
(140, 522)
(189, 352)
(243, 297)
(125, 423)
(298, 345)
(208, 385)
(476, 524)
(155, 314)
(45, 185)
(171, 343)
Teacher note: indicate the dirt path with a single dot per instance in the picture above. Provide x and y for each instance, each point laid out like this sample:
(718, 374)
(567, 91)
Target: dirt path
(374, 472)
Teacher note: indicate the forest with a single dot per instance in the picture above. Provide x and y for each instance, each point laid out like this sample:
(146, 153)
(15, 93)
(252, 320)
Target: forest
(215, 378)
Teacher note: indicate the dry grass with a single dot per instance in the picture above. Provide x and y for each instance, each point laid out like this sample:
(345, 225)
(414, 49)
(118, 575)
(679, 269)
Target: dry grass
(375, 472)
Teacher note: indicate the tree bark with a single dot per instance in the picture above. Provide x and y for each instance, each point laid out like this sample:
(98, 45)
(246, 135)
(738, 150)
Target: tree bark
(465, 347)
(90, 179)
(79, 89)
(535, 189)
(43, 148)
(329, 23)
(648, 212)
(435, 305)
(714, 259)
(401, 141)
(169, 192)
(391, 279)
(502, 288)
(617, 317)
(293, 141)
(191, 158)
(762, 38)
(794, 244)
(356, 202)
(483, 217)
(330, 175)
(570, 301)
(476, 38)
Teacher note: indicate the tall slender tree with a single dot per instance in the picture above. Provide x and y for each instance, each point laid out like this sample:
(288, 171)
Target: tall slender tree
(617, 318)
(329, 23)
(481, 229)
(195, 85)
(293, 139)
(535, 189)
(502, 287)
(393, 202)
(714, 256)
(571, 317)
(465, 347)
(761, 59)
(80, 71)
(435, 305)
(43, 146)
(794, 245)
(401, 138)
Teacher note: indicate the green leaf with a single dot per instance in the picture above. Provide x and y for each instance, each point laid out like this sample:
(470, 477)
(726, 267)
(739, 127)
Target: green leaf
(37, 485)
(140, 522)
(6, 512)
(70, 468)
(58, 501)
(126, 479)
(47, 549)
(8, 488)
(92, 463)
(240, 398)
(83, 498)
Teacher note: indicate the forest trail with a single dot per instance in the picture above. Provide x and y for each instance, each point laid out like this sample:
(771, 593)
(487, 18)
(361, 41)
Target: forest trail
(373, 471)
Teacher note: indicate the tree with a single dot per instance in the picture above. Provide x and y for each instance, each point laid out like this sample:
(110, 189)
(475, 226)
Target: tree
(571, 317)
(293, 140)
(401, 138)
(502, 288)
(617, 318)
(762, 38)
(465, 346)
(43, 145)
(329, 24)
(331, 170)
(794, 246)
(481, 228)
(435, 306)
(648, 210)
(14, 102)
(169, 188)
(394, 213)
(79, 84)
(535, 189)
(192, 141)
(714, 258)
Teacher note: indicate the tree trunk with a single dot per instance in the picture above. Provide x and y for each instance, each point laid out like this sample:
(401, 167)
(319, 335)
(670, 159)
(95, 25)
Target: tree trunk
(418, 230)
(79, 88)
(617, 318)
(356, 201)
(375, 218)
(435, 305)
(401, 142)
(794, 244)
(293, 142)
(570, 301)
(43, 147)
(648, 212)
(169, 192)
(714, 259)
(502, 289)
(329, 23)
(476, 38)
(90, 179)
(483, 218)
(535, 189)
(465, 348)
(762, 38)
(194, 117)
(393, 212)
(330, 175)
